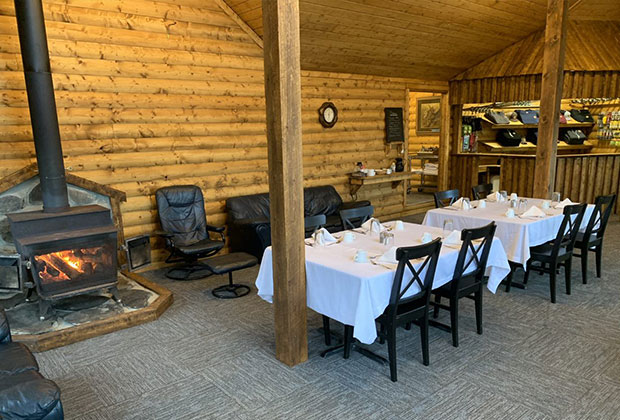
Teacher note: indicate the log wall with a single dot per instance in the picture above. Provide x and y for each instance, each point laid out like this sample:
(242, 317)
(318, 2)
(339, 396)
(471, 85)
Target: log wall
(152, 94)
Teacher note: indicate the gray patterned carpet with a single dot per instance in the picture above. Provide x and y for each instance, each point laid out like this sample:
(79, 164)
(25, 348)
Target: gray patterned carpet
(210, 358)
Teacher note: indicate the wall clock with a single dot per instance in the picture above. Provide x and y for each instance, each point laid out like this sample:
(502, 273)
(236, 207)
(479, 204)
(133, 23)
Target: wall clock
(328, 115)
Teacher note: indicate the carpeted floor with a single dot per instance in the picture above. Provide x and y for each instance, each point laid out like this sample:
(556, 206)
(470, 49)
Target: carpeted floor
(210, 358)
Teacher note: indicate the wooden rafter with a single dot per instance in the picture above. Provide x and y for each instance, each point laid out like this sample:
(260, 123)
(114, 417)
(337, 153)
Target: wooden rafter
(234, 16)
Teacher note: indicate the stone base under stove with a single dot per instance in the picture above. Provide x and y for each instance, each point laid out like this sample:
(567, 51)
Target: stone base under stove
(84, 316)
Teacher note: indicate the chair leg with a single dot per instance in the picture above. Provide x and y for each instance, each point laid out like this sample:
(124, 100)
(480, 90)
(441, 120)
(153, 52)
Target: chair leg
(509, 279)
(528, 269)
(552, 276)
(436, 308)
(567, 274)
(391, 341)
(348, 340)
(584, 265)
(478, 303)
(382, 333)
(424, 338)
(454, 320)
(326, 331)
(599, 257)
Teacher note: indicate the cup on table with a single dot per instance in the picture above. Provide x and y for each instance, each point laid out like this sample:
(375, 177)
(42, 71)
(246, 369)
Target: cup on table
(426, 238)
(361, 256)
(348, 237)
(371, 172)
(399, 225)
(482, 204)
(546, 204)
(503, 196)
(556, 197)
(388, 171)
(510, 213)
(513, 196)
(448, 227)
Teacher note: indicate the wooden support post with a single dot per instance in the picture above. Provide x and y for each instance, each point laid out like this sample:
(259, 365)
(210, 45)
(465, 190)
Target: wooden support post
(444, 143)
(283, 103)
(551, 96)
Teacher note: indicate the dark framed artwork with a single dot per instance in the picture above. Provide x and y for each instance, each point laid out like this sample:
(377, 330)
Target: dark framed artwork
(429, 115)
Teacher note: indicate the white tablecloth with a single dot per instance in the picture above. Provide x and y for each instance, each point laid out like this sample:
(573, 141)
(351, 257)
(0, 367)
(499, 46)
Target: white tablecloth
(517, 234)
(357, 293)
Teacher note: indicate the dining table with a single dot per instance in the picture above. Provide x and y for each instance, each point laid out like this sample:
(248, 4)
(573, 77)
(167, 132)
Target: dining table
(356, 293)
(516, 233)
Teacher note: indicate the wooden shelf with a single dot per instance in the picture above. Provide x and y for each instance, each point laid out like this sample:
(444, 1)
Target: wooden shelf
(495, 147)
(395, 178)
(521, 125)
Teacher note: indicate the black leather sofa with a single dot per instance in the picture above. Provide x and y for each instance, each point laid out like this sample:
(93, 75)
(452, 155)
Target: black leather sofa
(24, 392)
(248, 216)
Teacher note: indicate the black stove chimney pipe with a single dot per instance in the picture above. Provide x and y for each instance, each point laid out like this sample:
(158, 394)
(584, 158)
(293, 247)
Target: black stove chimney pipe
(43, 116)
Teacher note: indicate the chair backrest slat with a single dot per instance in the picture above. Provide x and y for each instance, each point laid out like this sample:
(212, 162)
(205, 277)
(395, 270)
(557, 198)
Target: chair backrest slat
(475, 250)
(312, 223)
(354, 218)
(445, 198)
(481, 191)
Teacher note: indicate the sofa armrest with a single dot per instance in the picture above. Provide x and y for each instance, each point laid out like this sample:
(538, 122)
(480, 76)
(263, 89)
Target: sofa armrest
(250, 222)
(5, 331)
(218, 229)
(354, 204)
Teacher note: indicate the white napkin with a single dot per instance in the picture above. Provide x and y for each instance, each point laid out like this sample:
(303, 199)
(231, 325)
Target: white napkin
(389, 256)
(534, 212)
(453, 238)
(507, 214)
(426, 238)
(563, 204)
(461, 205)
(494, 197)
(327, 237)
(373, 225)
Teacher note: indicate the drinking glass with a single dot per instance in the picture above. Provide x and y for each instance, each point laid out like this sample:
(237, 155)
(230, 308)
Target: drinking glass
(504, 195)
(522, 205)
(466, 203)
(513, 204)
(448, 227)
(556, 197)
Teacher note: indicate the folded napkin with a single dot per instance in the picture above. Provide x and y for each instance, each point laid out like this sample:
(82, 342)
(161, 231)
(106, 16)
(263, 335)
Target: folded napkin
(389, 256)
(322, 237)
(461, 204)
(426, 238)
(453, 238)
(534, 212)
(563, 204)
(510, 213)
(373, 225)
(496, 196)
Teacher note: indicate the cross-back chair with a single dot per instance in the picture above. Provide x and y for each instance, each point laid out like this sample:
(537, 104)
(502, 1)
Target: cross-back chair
(592, 238)
(481, 191)
(409, 298)
(312, 223)
(468, 278)
(558, 252)
(445, 198)
(354, 218)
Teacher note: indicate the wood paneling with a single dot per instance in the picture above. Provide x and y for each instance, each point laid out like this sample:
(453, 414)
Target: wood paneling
(147, 101)
(422, 38)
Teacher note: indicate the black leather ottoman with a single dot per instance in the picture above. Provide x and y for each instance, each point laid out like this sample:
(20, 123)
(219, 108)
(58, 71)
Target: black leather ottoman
(28, 395)
(227, 264)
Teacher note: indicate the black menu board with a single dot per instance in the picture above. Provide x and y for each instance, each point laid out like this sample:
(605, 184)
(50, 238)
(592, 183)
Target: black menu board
(394, 130)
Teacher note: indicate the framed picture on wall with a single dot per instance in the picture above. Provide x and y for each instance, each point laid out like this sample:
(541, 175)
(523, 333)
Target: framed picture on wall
(429, 115)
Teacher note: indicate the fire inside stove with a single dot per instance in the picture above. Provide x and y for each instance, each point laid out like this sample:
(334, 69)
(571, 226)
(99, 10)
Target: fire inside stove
(73, 264)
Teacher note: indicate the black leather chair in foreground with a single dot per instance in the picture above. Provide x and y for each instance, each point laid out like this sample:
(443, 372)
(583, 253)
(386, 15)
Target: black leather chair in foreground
(24, 393)
(445, 198)
(402, 311)
(481, 191)
(186, 232)
(473, 256)
(592, 238)
(558, 252)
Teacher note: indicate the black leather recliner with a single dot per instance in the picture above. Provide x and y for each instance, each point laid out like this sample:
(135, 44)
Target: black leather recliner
(186, 232)
(248, 216)
(24, 392)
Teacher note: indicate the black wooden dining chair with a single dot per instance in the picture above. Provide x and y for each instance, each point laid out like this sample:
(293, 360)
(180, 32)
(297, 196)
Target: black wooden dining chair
(402, 311)
(481, 191)
(468, 279)
(592, 238)
(558, 252)
(354, 218)
(445, 198)
(312, 223)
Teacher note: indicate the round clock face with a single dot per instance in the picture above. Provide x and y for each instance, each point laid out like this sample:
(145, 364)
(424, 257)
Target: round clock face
(329, 115)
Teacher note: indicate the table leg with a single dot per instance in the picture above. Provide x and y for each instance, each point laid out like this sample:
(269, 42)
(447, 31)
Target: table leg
(508, 281)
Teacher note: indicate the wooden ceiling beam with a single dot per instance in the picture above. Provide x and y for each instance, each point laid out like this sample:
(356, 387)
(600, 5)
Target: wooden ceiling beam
(239, 21)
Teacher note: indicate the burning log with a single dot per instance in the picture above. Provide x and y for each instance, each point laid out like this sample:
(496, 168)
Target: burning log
(63, 266)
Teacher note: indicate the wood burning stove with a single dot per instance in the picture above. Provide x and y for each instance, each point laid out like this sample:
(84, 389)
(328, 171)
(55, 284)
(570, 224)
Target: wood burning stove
(69, 250)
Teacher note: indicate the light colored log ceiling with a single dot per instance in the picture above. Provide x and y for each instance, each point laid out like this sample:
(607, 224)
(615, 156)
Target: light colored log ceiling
(430, 39)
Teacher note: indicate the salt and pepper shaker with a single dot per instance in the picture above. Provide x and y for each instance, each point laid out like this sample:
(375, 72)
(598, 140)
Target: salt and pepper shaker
(386, 238)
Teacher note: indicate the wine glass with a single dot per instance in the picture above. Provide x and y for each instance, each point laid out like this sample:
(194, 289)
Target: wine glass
(448, 227)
